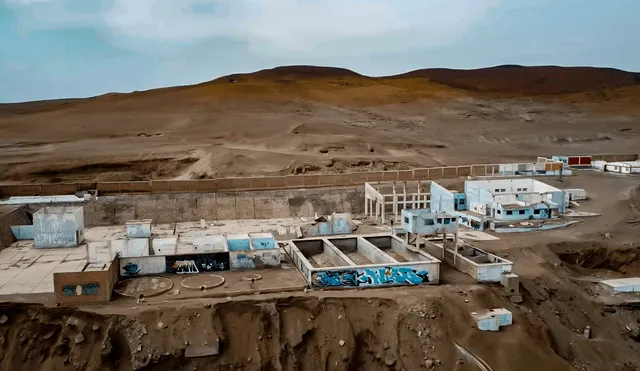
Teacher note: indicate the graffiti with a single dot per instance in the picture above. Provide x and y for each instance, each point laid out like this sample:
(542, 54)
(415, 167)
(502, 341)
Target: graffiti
(210, 262)
(91, 288)
(131, 269)
(212, 266)
(371, 277)
(185, 266)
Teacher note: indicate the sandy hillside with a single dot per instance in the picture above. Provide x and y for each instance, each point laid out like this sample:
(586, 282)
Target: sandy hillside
(297, 119)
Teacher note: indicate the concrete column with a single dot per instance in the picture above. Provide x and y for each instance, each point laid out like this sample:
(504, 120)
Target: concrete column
(366, 205)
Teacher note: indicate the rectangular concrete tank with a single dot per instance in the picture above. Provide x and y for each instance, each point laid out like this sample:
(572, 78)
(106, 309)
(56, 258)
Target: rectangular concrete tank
(58, 227)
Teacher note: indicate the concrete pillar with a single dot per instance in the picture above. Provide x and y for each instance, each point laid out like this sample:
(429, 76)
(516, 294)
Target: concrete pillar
(366, 205)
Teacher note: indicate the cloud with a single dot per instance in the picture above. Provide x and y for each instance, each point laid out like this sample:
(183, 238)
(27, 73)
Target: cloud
(267, 25)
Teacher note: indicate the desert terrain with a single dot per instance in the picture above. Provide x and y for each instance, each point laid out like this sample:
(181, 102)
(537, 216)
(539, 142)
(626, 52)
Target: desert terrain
(291, 120)
(295, 119)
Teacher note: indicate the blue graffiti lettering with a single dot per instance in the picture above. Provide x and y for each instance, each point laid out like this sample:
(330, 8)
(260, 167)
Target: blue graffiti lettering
(370, 277)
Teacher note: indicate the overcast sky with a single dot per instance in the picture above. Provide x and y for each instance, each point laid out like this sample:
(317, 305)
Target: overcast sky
(78, 48)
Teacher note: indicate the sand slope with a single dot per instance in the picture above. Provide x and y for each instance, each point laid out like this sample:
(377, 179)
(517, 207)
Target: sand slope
(320, 119)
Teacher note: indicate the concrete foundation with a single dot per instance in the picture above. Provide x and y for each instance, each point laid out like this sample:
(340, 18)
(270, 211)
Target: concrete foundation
(58, 227)
(492, 319)
(356, 262)
(479, 264)
(622, 285)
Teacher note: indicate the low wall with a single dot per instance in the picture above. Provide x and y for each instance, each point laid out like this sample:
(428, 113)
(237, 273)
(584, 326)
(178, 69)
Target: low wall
(489, 271)
(87, 287)
(11, 216)
(267, 182)
(426, 271)
(172, 208)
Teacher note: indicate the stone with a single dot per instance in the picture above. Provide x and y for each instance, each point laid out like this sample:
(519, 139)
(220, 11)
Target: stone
(207, 305)
(144, 329)
(74, 321)
(176, 292)
(339, 316)
(48, 335)
(3, 319)
(428, 363)
(193, 352)
(607, 235)
(139, 348)
(342, 343)
(160, 325)
(385, 345)
(390, 361)
(95, 327)
(78, 338)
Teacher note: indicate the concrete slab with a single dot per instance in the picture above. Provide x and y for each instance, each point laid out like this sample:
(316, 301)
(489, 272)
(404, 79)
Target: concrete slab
(492, 319)
(622, 285)
(473, 235)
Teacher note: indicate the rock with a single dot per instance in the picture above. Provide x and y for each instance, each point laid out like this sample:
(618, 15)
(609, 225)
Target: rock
(466, 300)
(48, 335)
(419, 333)
(160, 325)
(176, 292)
(78, 338)
(144, 329)
(433, 316)
(207, 305)
(3, 319)
(341, 342)
(74, 321)
(139, 348)
(390, 361)
(95, 327)
(305, 289)
(428, 363)
(607, 235)
(339, 316)
(385, 345)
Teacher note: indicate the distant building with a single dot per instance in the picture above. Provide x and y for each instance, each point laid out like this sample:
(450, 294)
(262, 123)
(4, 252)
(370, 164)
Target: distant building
(500, 200)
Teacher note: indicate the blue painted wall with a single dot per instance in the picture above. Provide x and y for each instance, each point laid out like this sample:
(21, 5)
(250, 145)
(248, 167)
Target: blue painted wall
(239, 245)
(22, 232)
(264, 243)
(441, 199)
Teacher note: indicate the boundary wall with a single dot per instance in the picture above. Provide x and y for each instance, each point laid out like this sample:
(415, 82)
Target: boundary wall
(266, 182)
(172, 208)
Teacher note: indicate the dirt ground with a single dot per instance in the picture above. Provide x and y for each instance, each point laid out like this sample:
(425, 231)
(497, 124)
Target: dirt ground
(322, 120)
(405, 328)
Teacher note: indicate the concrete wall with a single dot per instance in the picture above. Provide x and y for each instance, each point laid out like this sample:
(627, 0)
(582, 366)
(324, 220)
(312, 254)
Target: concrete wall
(171, 208)
(197, 263)
(255, 259)
(87, 287)
(58, 227)
(441, 198)
(484, 267)
(22, 232)
(390, 273)
(138, 228)
(144, 265)
(10, 216)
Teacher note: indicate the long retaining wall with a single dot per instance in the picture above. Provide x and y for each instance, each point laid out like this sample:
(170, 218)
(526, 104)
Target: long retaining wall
(266, 183)
(172, 208)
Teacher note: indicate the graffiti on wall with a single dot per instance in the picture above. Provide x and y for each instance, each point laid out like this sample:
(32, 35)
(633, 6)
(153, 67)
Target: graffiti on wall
(90, 288)
(370, 277)
(185, 266)
(197, 263)
(131, 269)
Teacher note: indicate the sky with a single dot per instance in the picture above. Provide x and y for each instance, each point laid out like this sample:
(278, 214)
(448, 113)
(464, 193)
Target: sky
(53, 49)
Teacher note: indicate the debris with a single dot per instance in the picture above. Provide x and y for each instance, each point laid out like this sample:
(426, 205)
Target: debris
(607, 235)
(587, 332)
(193, 352)
(305, 290)
(385, 345)
(160, 325)
(139, 348)
(492, 319)
(298, 232)
(95, 327)
(516, 298)
(144, 329)
(428, 363)
(207, 305)
(341, 342)
(74, 321)
(176, 292)
(78, 338)
(470, 357)
(48, 335)
(339, 316)
(390, 361)
(466, 300)
(3, 319)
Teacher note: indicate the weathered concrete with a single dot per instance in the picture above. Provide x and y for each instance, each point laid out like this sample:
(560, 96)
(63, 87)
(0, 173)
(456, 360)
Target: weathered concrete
(10, 216)
(172, 208)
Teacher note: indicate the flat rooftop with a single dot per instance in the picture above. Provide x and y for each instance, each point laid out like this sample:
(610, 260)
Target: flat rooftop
(24, 269)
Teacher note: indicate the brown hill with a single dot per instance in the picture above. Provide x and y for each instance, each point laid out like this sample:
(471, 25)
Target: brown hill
(529, 80)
